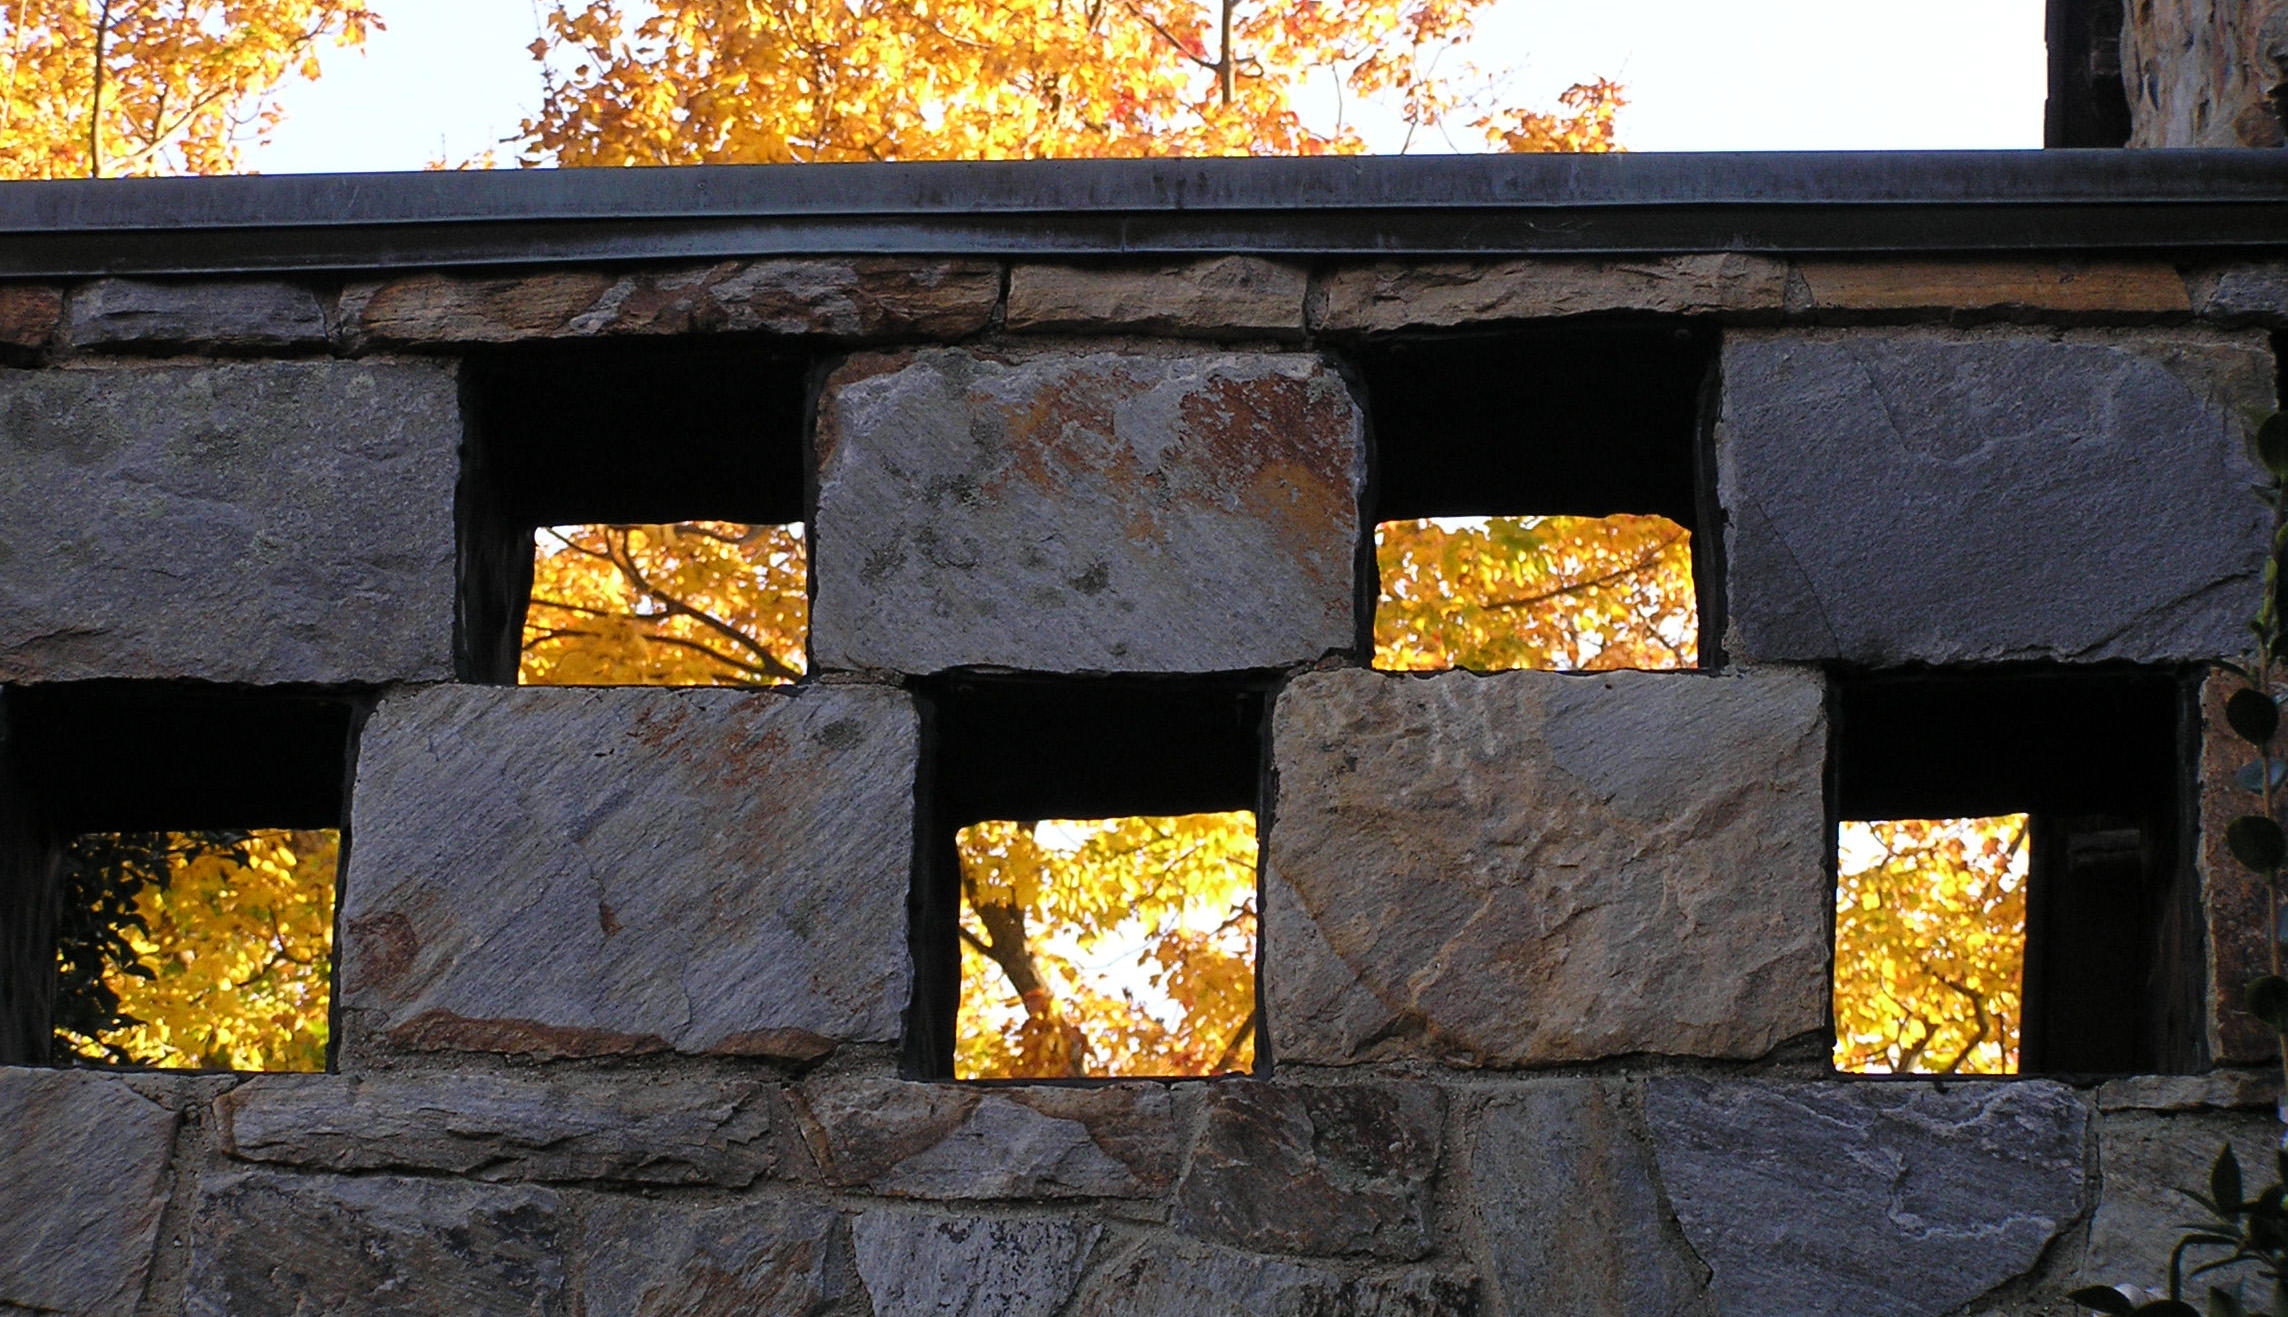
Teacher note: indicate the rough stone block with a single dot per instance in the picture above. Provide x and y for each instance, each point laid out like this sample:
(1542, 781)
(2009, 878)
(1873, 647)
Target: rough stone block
(1158, 1278)
(924, 1266)
(228, 315)
(2071, 287)
(584, 872)
(1225, 296)
(1439, 294)
(263, 522)
(685, 1130)
(85, 1160)
(2146, 1163)
(1315, 1171)
(1529, 867)
(948, 1141)
(668, 1258)
(1564, 1180)
(2221, 1090)
(2255, 293)
(1103, 510)
(1924, 497)
(262, 1243)
(1845, 1199)
(851, 298)
(29, 315)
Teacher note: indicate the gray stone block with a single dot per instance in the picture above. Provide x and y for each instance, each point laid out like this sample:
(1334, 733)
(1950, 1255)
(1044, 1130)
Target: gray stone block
(1222, 296)
(926, 1266)
(262, 1243)
(262, 522)
(230, 315)
(1528, 867)
(2255, 293)
(1317, 1171)
(83, 1184)
(1197, 1281)
(1107, 510)
(1845, 1199)
(2146, 1164)
(670, 1258)
(1923, 497)
(584, 872)
(686, 1130)
(1564, 1180)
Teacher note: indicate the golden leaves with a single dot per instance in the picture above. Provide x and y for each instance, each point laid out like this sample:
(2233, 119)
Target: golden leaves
(695, 603)
(1930, 945)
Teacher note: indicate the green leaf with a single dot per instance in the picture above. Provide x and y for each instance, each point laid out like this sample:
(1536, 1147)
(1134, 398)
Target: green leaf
(2103, 1298)
(2223, 1304)
(2256, 841)
(2267, 999)
(2272, 444)
(2253, 715)
(2224, 1181)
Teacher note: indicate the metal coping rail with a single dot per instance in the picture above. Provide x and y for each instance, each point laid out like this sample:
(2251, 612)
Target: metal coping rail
(2086, 201)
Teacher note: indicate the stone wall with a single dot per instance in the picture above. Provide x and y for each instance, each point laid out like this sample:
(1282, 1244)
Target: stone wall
(625, 977)
(2205, 72)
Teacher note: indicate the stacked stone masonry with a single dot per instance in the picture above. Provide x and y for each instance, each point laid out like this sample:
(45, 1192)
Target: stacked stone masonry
(623, 974)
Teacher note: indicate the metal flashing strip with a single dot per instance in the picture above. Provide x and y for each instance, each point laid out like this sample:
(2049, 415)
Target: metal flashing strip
(1870, 202)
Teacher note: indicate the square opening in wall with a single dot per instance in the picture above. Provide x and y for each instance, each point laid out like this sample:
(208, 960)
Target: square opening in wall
(633, 514)
(2013, 880)
(1535, 496)
(1090, 906)
(168, 871)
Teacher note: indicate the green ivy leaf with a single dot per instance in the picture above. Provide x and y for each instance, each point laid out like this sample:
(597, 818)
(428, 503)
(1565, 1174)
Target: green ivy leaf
(2267, 999)
(2256, 841)
(2253, 715)
(2272, 444)
(2224, 1182)
(2105, 1299)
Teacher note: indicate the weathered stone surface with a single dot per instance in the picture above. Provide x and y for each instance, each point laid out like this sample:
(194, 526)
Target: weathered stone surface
(84, 1184)
(642, 1258)
(263, 1243)
(2236, 903)
(29, 315)
(1414, 295)
(1200, 1282)
(947, 1141)
(2255, 293)
(2223, 1090)
(1530, 867)
(2202, 72)
(1902, 284)
(581, 872)
(1224, 296)
(1564, 1181)
(1315, 1171)
(2146, 1164)
(849, 298)
(922, 1266)
(1106, 510)
(1844, 1199)
(1924, 497)
(230, 315)
(650, 1130)
(265, 522)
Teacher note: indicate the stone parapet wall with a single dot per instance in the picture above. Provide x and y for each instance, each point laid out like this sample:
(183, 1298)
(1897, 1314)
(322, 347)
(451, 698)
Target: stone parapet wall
(626, 978)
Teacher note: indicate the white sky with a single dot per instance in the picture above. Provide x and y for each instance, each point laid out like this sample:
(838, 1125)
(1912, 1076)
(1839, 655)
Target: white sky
(450, 78)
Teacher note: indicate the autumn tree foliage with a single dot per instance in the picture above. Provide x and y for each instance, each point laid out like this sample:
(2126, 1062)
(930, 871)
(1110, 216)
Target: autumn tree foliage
(696, 603)
(101, 88)
(1930, 946)
(698, 82)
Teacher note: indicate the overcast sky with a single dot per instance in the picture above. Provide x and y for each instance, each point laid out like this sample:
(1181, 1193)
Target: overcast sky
(450, 78)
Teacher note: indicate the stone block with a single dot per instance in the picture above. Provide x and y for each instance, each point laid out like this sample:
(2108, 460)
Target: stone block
(2146, 1164)
(262, 1243)
(590, 872)
(685, 1130)
(2204, 72)
(861, 298)
(1564, 1180)
(671, 1258)
(2068, 287)
(2236, 903)
(924, 1266)
(234, 315)
(1844, 1199)
(1103, 510)
(1158, 1278)
(29, 315)
(1221, 297)
(2220, 1090)
(948, 1141)
(1315, 1171)
(1926, 497)
(262, 522)
(1442, 294)
(2253, 293)
(84, 1185)
(1529, 867)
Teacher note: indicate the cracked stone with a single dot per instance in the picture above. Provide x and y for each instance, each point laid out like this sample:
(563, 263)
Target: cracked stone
(87, 1250)
(213, 314)
(1317, 1171)
(1202, 1282)
(667, 1258)
(922, 1266)
(948, 1141)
